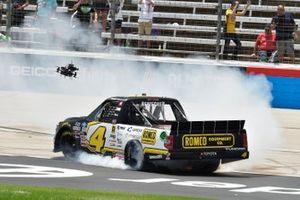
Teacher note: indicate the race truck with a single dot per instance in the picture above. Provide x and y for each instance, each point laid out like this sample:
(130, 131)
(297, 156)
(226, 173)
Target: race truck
(153, 131)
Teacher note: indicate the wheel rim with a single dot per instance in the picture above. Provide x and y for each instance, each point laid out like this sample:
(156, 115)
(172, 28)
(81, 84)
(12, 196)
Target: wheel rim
(134, 156)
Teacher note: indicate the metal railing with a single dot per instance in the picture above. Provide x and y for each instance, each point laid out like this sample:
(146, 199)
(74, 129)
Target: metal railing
(179, 28)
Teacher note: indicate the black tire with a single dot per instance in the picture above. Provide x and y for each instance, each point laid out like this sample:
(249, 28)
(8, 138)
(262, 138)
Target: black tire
(68, 145)
(134, 155)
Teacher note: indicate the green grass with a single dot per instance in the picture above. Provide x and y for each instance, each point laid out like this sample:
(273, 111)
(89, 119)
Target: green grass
(17, 192)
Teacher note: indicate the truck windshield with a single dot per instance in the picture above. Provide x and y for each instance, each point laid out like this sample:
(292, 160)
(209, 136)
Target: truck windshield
(160, 111)
(107, 112)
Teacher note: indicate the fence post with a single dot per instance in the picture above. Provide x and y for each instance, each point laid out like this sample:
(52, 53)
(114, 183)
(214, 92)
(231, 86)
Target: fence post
(8, 17)
(113, 22)
(219, 11)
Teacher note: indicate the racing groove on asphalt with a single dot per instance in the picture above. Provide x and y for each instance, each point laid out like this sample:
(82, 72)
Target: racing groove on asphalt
(58, 172)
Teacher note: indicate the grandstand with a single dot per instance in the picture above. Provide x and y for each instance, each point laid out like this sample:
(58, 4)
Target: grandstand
(180, 27)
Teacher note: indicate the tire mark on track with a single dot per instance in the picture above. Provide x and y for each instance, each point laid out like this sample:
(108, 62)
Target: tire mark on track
(23, 130)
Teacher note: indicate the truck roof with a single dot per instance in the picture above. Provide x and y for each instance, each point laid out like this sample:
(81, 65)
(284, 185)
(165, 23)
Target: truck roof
(142, 98)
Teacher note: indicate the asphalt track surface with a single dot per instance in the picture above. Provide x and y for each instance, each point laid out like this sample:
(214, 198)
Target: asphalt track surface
(102, 179)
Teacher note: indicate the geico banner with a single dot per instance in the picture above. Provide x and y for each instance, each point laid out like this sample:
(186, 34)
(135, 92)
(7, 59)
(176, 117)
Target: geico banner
(96, 76)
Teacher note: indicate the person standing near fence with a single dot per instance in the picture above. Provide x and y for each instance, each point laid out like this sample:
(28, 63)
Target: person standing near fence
(45, 10)
(265, 46)
(1, 8)
(146, 8)
(229, 29)
(18, 12)
(118, 16)
(284, 24)
(85, 12)
(101, 8)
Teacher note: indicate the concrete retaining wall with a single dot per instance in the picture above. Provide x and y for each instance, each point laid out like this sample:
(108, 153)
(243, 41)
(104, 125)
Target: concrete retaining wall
(285, 85)
(38, 69)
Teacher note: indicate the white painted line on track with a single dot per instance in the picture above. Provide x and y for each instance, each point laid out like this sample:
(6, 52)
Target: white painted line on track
(150, 180)
(30, 156)
(32, 171)
(11, 130)
(6, 154)
(19, 130)
(43, 157)
(266, 173)
(286, 150)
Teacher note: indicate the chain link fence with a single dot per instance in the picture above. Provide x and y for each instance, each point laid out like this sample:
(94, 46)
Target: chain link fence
(180, 28)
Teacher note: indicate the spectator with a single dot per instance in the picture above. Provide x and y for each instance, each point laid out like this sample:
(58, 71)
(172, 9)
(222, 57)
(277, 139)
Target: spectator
(101, 8)
(84, 12)
(229, 32)
(265, 46)
(146, 8)
(118, 16)
(45, 10)
(18, 12)
(284, 25)
(296, 34)
(1, 8)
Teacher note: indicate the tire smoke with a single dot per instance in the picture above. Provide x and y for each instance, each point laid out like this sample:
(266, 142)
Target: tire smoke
(206, 92)
(103, 161)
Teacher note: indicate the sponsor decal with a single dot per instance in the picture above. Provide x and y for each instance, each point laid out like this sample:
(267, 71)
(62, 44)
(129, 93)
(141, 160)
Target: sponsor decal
(113, 132)
(132, 136)
(212, 153)
(119, 141)
(121, 127)
(163, 136)
(113, 129)
(113, 136)
(155, 151)
(149, 136)
(76, 128)
(236, 149)
(120, 135)
(245, 155)
(112, 142)
(136, 130)
(32, 71)
(84, 126)
(83, 140)
(153, 102)
(198, 141)
(129, 129)
(155, 157)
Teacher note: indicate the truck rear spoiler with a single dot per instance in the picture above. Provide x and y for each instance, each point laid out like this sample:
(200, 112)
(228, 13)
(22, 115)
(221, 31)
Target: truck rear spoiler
(201, 127)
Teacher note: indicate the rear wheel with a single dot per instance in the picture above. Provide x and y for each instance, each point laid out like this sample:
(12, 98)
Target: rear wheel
(68, 144)
(134, 155)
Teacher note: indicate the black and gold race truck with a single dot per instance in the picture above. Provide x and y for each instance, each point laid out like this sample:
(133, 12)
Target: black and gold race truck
(153, 131)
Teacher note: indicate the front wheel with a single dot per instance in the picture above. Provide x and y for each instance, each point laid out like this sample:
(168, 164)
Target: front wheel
(68, 144)
(134, 155)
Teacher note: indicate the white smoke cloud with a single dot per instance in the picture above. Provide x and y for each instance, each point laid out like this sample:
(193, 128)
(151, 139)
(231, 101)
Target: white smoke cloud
(103, 161)
(206, 92)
